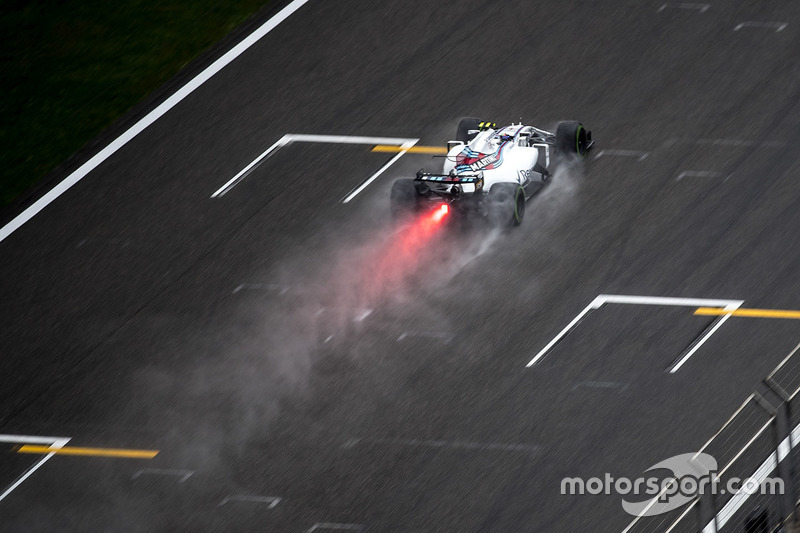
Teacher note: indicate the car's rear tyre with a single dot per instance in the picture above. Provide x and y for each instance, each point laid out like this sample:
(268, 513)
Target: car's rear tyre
(506, 205)
(467, 129)
(572, 138)
(404, 198)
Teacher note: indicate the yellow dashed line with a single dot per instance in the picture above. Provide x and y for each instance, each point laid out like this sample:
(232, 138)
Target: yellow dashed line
(91, 452)
(751, 313)
(436, 150)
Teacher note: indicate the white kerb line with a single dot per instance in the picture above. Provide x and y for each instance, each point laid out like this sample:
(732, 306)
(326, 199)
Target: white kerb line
(55, 444)
(148, 119)
(403, 149)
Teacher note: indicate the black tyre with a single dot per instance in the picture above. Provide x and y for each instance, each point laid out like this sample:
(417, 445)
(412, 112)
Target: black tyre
(572, 138)
(506, 205)
(405, 200)
(467, 129)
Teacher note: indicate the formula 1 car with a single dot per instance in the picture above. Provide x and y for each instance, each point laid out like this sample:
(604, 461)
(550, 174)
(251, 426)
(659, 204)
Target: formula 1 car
(491, 171)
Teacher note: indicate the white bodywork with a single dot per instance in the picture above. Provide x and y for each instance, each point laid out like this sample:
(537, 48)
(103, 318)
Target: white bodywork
(508, 154)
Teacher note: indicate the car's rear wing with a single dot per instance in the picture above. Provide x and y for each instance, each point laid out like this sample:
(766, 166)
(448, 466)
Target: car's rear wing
(476, 178)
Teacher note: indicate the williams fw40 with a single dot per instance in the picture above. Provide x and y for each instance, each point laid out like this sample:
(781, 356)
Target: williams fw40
(491, 172)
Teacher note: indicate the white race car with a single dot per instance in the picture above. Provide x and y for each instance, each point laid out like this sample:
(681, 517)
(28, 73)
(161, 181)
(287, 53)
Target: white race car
(491, 171)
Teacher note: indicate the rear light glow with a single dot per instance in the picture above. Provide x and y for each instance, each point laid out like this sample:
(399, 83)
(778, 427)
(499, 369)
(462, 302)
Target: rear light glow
(440, 213)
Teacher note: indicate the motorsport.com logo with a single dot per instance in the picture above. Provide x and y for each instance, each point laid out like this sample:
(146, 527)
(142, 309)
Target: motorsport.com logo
(693, 474)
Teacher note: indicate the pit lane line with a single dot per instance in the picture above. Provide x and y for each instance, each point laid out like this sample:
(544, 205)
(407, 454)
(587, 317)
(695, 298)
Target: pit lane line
(148, 119)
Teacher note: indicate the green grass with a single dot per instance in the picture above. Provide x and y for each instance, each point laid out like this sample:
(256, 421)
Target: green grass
(70, 68)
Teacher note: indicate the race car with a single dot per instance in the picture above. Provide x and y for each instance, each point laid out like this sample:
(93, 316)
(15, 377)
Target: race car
(491, 172)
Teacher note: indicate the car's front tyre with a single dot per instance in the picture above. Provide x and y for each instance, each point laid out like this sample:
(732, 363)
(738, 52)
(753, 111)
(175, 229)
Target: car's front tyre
(572, 137)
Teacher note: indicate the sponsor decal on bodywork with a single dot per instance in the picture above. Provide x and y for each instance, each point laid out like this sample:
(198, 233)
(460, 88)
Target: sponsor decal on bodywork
(471, 161)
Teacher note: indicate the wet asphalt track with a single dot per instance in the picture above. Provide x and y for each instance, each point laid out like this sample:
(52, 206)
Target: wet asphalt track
(277, 343)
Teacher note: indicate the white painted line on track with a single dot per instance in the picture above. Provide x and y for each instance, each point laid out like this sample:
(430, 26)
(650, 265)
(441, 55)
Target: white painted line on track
(335, 526)
(596, 303)
(281, 289)
(441, 335)
(290, 138)
(272, 501)
(702, 8)
(696, 346)
(182, 474)
(740, 142)
(601, 385)
(603, 299)
(351, 139)
(452, 444)
(383, 169)
(665, 300)
(698, 174)
(231, 183)
(148, 119)
(743, 143)
(640, 155)
(362, 315)
(55, 443)
(778, 26)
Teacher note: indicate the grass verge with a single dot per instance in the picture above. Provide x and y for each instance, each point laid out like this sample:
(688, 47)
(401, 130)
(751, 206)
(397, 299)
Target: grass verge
(71, 68)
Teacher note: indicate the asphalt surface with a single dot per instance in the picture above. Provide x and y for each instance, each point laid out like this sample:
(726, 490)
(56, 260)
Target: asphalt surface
(278, 343)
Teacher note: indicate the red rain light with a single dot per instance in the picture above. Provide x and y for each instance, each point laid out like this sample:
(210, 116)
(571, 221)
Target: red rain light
(440, 213)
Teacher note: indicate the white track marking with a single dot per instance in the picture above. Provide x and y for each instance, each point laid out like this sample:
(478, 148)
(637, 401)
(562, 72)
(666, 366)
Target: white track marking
(623, 153)
(702, 8)
(666, 300)
(335, 526)
(778, 26)
(698, 174)
(231, 183)
(362, 315)
(721, 320)
(452, 444)
(271, 500)
(281, 289)
(183, 474)
(596, 303)
(405, 146)
(744, 143)
(601, 385)
(645, 300)
(54, 442)
(290, 138)
(740, 142)
(148, 119)
(441, 335)
(351, 139)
